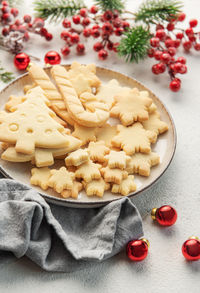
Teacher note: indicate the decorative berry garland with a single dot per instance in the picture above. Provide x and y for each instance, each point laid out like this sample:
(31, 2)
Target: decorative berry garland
(113, 27)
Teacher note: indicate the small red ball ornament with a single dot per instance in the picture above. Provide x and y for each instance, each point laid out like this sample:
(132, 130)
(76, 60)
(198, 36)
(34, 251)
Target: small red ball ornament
(165, 215)
(52, 57)
(191, 248)
(137, 250)
(21, 61)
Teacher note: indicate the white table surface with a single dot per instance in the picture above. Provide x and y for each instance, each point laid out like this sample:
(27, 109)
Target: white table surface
(165, 269)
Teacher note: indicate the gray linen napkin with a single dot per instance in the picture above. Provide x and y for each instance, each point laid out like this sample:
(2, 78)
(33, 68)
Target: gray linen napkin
(60, 238)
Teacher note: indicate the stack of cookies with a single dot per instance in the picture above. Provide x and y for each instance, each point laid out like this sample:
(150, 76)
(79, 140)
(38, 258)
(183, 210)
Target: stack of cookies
(66, 116)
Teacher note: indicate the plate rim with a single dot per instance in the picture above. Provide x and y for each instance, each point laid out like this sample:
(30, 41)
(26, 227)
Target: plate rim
(78, 204)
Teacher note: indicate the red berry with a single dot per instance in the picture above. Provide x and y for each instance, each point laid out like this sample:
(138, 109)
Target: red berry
(189, 31)
(94, 9)
(157, 54)
(154, 42)
(193, 22)
(5, 9)
(161, 67)
(26, 36)
(66, 23)
(17, 22)
(160, 34)
(107, 28)
(169, 43)
(14, 11)
(49, 37)
(27, 18)
(115, 46)
(43, 32)
(180, 68)
(175, 85)
(38, 22)
(87, 32)
(155, 69)
(192, 38)
(103, 54)
(65, 35)
(21, 28)
(151, 52)
(159, 26)
(108, 15)
(117, 22)
(5, 31)
(95, 33)
(30, 25)
(13, 28)
(4, 3)
(125, 25)
(181, 17)
(110, 46)
(172, 51)
(65, 51)
(85, 21)
(80, 48)
(181, 60)
(115, 13)
(96, 26)
(179, 36)
(119, 31)
(83, 12)
(183, 69)
(97, 46)
(165, 57)
(187, 45)
(74, 38)
(6, 17)
(76, 19)
(197, 46)
(177, 43)
(170, 26)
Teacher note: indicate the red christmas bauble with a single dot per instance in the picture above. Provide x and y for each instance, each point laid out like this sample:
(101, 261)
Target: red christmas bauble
(165, 215)
(191, 248)
(137, 250)
(21, 61)
(52, 57)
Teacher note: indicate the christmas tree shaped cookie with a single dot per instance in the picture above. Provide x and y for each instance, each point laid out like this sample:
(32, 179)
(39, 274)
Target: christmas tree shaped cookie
(131, 107)
(31, 125)
(134, 139)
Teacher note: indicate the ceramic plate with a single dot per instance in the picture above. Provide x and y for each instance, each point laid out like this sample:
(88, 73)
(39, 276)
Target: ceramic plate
(165, 146)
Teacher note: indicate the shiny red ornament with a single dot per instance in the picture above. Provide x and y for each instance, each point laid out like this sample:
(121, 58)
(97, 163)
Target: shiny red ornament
(21, 61)
(165, 215)
(137, 250)
(191, 248)
(52, 57)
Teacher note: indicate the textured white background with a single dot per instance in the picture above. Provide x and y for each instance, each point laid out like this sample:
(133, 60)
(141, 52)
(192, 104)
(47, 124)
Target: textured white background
(165, 269)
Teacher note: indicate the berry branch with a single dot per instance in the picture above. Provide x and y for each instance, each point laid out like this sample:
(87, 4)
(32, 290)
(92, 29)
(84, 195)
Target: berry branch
(112, 5)
(57, 9)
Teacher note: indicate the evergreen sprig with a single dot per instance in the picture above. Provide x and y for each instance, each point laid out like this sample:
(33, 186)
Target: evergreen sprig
(135, 44)
(5, 76)
(110, 5)
(55, 9)
(158, 10)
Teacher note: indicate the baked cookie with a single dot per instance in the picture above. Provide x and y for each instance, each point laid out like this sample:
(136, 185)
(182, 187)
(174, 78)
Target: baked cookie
(106, 133)
(97, 151)
(141, 163)
(113, 175)
(85, 134)
(40, 177)
(155, 124)
(77, 158)
(81, 84)
(96, 187)
(117, 159)
(125, 187)
(73, 193)
(131, 107)
(134, 139)
(61, 179)
(88, 171)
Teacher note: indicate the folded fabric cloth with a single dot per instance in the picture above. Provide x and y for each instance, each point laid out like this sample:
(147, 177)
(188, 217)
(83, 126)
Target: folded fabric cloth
(60, 238)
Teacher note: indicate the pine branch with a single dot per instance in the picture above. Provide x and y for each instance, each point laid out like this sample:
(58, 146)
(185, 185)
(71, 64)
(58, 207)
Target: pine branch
(110, 4)
(158, 10)
(6, 76)
(55, 9)
(134, 46)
